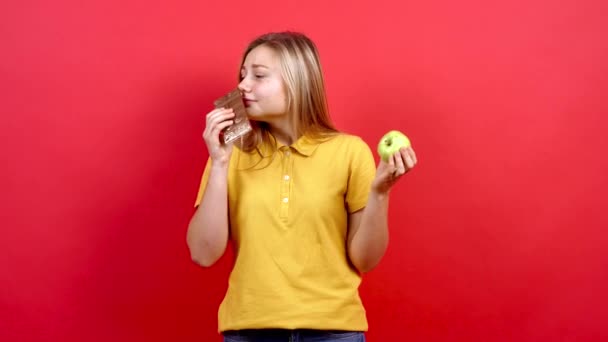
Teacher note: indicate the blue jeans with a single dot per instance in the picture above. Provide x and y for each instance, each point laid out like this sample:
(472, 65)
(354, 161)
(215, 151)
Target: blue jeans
(300, 335)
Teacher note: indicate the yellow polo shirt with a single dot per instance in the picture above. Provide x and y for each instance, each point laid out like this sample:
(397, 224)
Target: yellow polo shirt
(288, 221)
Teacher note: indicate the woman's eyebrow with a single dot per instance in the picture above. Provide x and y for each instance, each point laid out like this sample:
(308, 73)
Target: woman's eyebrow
(253, 66)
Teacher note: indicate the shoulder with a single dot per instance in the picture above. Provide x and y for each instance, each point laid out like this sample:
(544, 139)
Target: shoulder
(346, 140)
(347, 145)
(346, 148)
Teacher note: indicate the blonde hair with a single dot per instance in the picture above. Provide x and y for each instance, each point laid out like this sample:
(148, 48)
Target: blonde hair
(304, 85)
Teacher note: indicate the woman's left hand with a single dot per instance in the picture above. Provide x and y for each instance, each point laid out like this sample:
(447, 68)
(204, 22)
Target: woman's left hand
(388, 173)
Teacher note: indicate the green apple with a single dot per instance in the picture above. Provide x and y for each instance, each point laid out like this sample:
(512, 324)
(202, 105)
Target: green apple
(390, 143)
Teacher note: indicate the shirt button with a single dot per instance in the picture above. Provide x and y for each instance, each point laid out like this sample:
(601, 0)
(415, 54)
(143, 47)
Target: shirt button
(285, 200)
(287, 153)
(286, 177)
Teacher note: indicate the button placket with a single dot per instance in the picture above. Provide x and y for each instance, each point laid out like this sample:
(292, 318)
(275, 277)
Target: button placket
(285, 182)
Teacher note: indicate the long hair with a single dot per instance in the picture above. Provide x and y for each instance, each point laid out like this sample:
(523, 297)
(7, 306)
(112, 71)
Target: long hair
(305, 88)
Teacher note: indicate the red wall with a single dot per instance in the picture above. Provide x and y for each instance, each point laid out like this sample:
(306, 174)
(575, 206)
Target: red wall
(498, 235)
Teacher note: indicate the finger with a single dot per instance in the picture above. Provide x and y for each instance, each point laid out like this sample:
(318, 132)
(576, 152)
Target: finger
(212, 137)
(407, 158)
(217, 118)
(399, 164)
(215, 132)
(213, 113)
(413, 155)
(219, 115)
(391, 164)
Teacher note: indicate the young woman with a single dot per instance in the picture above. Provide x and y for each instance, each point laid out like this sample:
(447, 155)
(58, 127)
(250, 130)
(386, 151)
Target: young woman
(303, 203)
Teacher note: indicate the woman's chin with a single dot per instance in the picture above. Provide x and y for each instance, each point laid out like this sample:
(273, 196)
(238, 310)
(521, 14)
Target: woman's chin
(252, 114)
(262, 117)
(255, 116)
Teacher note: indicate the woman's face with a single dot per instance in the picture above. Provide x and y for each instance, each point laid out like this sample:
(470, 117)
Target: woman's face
(262, 85)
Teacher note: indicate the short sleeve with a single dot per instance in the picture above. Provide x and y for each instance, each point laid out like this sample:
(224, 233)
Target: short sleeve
(362, 172)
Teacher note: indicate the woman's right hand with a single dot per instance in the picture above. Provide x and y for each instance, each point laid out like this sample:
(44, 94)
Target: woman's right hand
(217, 120)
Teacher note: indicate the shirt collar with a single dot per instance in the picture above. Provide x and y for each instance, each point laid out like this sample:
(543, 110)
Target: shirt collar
(304, 145)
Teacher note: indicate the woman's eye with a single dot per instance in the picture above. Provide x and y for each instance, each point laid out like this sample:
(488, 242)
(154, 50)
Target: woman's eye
(259, 76)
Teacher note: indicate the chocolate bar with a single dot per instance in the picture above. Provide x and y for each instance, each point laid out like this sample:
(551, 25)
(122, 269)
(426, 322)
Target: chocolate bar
(241, 125)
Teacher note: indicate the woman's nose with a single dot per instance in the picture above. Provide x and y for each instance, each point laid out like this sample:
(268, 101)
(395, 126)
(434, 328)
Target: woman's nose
(244, 86)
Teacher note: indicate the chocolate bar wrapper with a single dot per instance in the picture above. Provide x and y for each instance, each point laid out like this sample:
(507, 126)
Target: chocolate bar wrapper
(241, 124)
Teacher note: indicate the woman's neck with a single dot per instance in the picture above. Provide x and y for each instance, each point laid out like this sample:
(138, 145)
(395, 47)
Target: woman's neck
(283, 131)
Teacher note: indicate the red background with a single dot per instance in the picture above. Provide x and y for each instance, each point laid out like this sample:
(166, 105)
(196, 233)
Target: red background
(498, 235)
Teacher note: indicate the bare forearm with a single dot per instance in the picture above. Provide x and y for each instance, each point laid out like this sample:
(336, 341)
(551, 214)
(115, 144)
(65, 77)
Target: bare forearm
(370, 241)
(208, 229)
